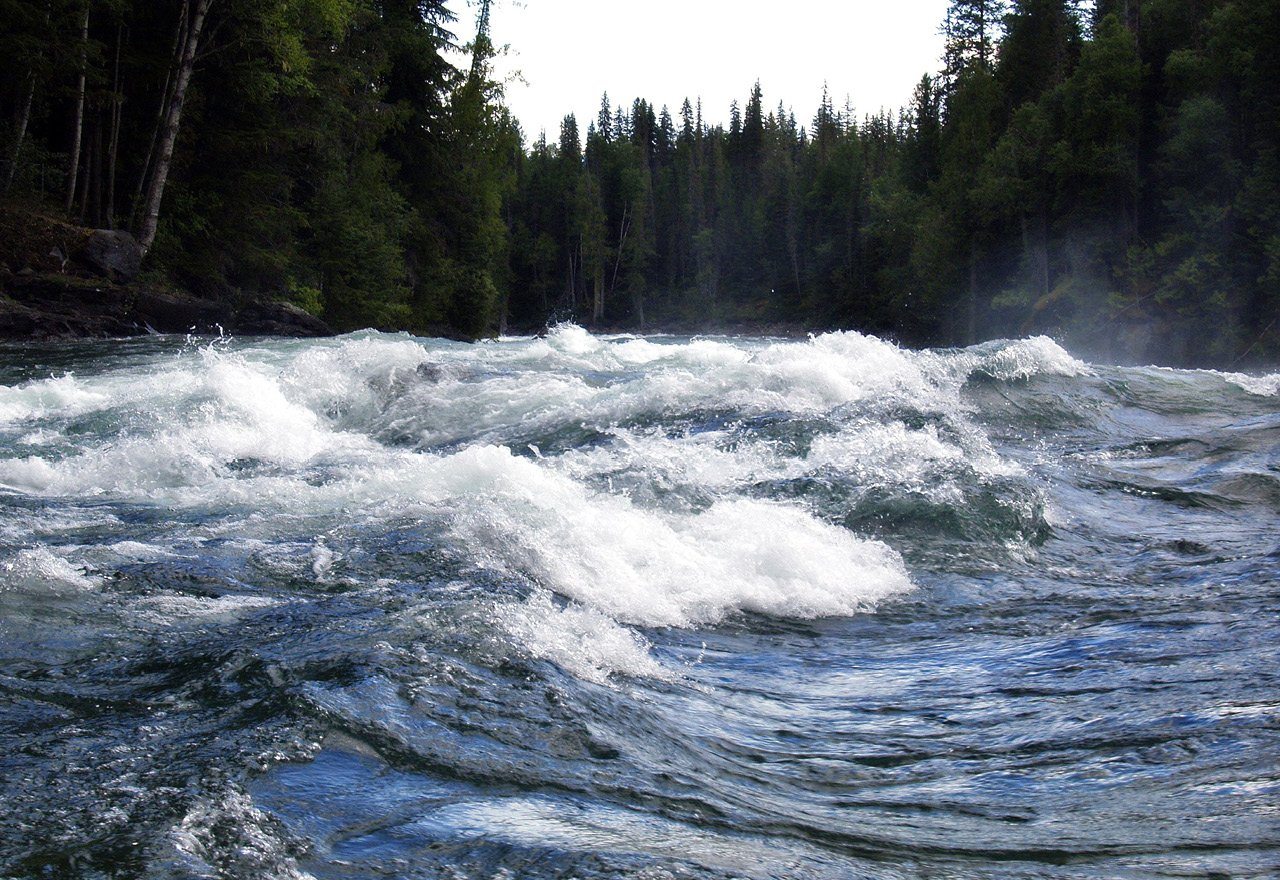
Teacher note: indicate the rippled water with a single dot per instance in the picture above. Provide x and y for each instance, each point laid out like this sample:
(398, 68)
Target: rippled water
(616, 607)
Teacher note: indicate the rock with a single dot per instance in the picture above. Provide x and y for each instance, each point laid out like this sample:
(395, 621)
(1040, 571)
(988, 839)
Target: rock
(112, 253)
(55, 306)
(278, 319)
(46, 307)
(170, 313)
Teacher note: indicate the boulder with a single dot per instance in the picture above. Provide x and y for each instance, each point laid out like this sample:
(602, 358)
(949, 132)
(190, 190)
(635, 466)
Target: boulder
(174, 313)
(44, 307)
(112, 253)
(278, 319)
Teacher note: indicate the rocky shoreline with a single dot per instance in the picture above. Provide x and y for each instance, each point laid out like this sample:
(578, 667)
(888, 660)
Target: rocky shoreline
(59, 281)
(43, 307)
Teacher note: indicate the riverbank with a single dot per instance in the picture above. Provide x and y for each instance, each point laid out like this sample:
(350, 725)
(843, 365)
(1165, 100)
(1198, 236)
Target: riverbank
(62, 281)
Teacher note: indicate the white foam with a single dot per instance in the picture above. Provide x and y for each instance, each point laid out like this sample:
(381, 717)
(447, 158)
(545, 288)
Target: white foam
(1262, 386)
(290, 431)
(38, 570)
(571, 377)
(41, 437)
(349, 377)
(1010, 360)
(60, 394)
(587, 643)
(1267, 385)
(137, 551)
(202, 849)
(156, 386)
(170, 607)
(662, 569)
(893, 454)
(572, 339)
(713, 461)
(243, 416)
(322, 559)
(887, 454)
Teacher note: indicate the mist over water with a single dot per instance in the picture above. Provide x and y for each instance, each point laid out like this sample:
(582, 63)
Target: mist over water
(659, 607)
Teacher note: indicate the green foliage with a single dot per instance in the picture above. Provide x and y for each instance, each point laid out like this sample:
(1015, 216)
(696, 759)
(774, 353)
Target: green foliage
(1114, 181)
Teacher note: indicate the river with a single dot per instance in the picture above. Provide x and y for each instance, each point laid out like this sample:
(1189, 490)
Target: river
(661, 607)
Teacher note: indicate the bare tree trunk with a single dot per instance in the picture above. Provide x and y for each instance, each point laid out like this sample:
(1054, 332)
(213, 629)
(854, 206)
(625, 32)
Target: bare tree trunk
(1043, 255)
(74, 171)
(83, 189)
(570, 281)
(94, 182)
(973, 293)
(113, 142)
(169, 133)
(598, 305)
(22, 131)
(166, 93)
(598, 313)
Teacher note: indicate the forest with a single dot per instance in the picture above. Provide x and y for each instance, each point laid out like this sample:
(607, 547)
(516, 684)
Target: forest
(1105, 173)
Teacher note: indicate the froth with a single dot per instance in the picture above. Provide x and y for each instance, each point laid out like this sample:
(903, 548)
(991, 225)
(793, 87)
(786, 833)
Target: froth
(1262, 386)
(663, 569)
(232, 836)
(573, 378)
(303, 430)
(583, 641)
(37, 570)
(170, 607)
(60, 395)
(1011, 360)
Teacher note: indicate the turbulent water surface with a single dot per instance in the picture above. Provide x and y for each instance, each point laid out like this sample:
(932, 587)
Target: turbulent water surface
(634, 607)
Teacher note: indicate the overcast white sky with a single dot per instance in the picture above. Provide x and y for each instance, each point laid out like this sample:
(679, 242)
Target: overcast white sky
(569, 51)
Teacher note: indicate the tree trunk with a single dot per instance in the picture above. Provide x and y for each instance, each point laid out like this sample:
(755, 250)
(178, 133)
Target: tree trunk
(973, 293)
(113, 141)
(570, 281)
(78, 129)
(1043, 255)
(94, 182)
(617, 263)
(169, 132)
(166, 94)
(597, 310)
(22, 131)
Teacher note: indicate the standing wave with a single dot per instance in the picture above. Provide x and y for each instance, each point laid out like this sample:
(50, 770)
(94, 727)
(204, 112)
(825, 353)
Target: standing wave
(616, 606)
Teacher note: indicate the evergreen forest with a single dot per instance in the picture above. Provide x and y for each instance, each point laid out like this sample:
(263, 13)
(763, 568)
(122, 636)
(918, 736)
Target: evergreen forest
(1107, 173)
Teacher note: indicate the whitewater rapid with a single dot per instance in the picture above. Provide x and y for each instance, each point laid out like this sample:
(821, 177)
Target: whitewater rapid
(379, 428)
(704, 590)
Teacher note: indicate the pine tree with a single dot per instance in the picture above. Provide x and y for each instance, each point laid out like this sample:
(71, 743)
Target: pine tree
(1040, 48)
(971, 29)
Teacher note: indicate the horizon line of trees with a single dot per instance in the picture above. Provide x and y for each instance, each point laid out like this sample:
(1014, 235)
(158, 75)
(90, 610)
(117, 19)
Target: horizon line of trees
(1109, 174)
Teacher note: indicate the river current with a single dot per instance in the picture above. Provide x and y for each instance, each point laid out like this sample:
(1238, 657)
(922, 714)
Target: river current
(663, 608)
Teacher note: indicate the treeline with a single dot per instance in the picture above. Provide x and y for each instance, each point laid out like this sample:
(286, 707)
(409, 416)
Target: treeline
(331, 152)
(1110, 175)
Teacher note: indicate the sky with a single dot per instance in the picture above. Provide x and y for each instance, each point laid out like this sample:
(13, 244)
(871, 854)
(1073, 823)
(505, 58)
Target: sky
(570, 51)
